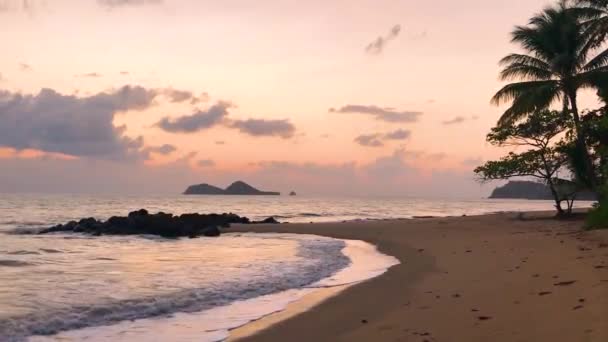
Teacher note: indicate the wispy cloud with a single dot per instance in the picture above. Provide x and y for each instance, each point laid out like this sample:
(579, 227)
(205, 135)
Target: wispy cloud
(263, 127)
(369, 140)
(455, 121)
(165, 149)
(200, 120)
(380, 113)
(377, 46)
(124, 3)
(90, 75)
(378, 139)
(399, 134)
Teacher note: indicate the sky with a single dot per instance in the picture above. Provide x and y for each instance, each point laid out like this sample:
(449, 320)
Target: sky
(340, 97)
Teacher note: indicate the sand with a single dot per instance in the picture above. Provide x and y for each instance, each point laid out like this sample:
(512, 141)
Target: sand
(482, 278)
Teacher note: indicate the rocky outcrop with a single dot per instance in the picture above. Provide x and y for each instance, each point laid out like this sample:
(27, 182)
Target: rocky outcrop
(236, 188)
(140, 222)
(204, 189)
(532, 191)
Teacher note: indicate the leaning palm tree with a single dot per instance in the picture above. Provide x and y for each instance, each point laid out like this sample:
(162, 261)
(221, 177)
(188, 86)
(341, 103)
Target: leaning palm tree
(559, 62)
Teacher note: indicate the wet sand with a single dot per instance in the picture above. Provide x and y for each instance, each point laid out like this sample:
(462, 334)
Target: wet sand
(482, 278)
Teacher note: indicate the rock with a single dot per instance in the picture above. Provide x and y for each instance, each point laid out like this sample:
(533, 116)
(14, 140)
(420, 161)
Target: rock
(141, 222)
(211, 231)
(293, 193)
(270, 220)
(138, 213)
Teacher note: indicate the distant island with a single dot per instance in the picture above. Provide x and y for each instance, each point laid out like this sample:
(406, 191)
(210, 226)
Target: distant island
(236, 188)
(532, 191)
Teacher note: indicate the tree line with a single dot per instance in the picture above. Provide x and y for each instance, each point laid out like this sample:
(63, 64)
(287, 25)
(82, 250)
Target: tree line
(566, 147)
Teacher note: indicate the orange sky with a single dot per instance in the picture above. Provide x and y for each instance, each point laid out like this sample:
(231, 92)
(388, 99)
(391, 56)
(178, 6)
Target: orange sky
(276, 60)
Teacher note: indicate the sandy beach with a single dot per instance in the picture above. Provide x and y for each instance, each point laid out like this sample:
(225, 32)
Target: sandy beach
(480, 278)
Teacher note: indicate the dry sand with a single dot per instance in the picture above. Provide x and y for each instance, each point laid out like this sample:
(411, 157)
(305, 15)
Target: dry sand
(482, 278)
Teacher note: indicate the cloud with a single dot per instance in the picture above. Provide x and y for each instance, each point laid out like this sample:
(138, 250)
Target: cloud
(124, 73)
(455, 121)
(386, 114)
(124, 3)
(378, 139)
(220, 142)
(175, 95)
(371, 140)
(25, 67)
(399, 134)
(206, 163)
(377, 46)
(165, 149)
(71, 125)
(91, 75)
(198, 121)
(262, 127)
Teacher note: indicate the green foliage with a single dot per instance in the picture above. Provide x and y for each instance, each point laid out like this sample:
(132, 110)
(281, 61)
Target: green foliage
(543, 159)
(525, 164)
(598, 217)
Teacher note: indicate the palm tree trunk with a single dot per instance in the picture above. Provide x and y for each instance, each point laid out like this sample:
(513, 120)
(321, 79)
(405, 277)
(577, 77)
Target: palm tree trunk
(581, 144)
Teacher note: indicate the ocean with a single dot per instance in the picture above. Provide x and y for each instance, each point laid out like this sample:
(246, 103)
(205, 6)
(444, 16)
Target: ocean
(63, 287)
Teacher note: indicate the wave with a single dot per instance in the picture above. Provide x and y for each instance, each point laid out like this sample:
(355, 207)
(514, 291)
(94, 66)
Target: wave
(14, 263)
(22, 223)
(310, 215)
(50, 250)
(24, 231)
(23, 253)
(323, 258)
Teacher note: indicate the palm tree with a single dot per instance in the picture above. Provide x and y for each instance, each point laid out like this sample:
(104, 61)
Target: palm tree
(594, 14)
(558, 63)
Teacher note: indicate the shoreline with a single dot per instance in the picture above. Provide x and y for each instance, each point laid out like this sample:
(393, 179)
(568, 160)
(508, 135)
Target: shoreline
(474, 278)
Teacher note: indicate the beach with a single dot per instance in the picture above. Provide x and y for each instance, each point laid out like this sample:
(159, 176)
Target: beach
(500, 277)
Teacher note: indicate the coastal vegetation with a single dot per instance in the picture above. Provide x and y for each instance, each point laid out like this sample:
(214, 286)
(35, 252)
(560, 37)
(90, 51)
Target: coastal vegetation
(566, 148)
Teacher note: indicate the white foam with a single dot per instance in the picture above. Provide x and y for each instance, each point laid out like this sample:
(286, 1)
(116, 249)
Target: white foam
(214, 324)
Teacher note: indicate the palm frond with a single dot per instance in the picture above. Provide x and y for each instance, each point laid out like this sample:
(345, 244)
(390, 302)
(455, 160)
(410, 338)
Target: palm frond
(523, 71)
(526, 97)
(601, 60)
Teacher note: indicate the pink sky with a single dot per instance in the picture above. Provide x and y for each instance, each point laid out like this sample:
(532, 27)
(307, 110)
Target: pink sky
(282, 63)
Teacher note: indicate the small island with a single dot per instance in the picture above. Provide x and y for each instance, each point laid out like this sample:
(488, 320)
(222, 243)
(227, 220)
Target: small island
(236, 188)
(532, 191)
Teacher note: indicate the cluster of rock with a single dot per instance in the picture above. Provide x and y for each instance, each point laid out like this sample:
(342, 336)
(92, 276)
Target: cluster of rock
(140, 222)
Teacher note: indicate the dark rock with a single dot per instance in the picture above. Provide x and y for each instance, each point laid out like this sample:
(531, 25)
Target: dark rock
(138, 213)
(270, 220)
(140, 222)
